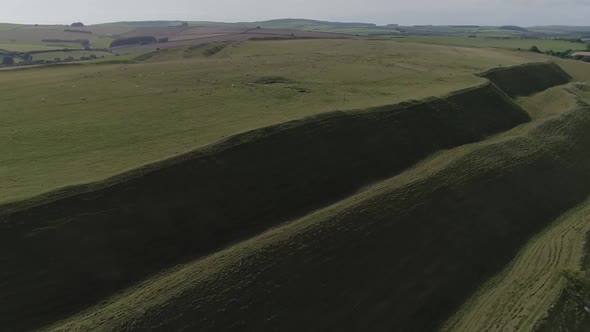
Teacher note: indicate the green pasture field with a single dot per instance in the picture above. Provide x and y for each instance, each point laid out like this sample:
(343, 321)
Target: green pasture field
(102, 42)
(544, 45)
(358, 31)
(8, 26)
(65, 125)
(427, 188)
(469, 184)
(27, 47)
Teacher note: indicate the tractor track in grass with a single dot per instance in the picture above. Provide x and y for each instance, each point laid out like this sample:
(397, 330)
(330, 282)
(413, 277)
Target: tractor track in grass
(521, 295)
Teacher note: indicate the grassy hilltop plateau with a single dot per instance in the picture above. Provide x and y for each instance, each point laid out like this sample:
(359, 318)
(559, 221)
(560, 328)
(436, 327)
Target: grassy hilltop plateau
(294, 175)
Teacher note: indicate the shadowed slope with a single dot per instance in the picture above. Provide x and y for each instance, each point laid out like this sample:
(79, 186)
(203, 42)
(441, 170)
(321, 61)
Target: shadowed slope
(521, 294)
(83, 243)
(527, 79)
(401, 255)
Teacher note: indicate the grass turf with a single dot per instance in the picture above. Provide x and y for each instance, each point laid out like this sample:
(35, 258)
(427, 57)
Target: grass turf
(9, 26)
(102, 42)
(25, 47)
(519, 297)
(380, 259)
(369, 75)
(75, 124)
(544, 45)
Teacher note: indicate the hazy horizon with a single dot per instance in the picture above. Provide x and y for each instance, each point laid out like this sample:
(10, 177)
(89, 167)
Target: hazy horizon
(381, 12)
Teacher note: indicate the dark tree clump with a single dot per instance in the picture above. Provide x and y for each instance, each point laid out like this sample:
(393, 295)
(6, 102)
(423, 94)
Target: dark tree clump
(77, 24)
(8, 61)
(27, 58)
(513, 28)
(535, 49)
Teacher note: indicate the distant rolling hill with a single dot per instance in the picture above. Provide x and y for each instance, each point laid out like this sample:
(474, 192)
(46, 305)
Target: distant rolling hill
(368, 29)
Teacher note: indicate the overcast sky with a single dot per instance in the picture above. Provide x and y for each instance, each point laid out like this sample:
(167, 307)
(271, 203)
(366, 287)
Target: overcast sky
(492, 12)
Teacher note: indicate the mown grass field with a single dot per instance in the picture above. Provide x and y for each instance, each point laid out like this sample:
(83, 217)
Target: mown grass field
(24, 47)
(509, 43)
(75, 124)
(103, 42)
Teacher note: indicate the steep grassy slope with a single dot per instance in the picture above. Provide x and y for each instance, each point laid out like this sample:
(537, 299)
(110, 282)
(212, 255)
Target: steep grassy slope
(400, 255)
(552, 101)
(68, 249)
(140, 222)
(520, 296)
(68, 125)
(527, 79)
